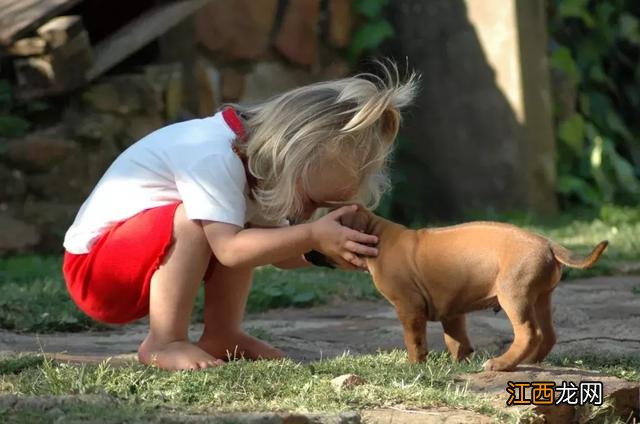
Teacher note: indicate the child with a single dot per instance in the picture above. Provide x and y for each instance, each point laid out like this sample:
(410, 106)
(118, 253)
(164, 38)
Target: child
(208, 199)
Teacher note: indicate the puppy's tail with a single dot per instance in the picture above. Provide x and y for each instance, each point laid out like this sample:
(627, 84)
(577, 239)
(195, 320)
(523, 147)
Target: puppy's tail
(570, 259)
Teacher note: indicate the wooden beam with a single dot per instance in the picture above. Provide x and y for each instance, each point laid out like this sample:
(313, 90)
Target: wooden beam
(31, 46)
(18, 17)
(138, 33)
(61, 70)
(60, 29)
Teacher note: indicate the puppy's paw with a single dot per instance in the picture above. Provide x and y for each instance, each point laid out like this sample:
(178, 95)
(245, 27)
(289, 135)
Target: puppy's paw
(490, 365)
(496, 365)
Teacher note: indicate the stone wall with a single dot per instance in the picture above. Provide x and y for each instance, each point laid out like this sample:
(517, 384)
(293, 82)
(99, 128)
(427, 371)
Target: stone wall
(246, 50)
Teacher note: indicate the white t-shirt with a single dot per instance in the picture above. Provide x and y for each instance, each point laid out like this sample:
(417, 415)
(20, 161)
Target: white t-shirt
(190, 161)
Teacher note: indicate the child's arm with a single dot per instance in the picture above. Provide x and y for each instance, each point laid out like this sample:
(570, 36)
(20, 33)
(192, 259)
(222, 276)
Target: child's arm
(235, 247)
(298, 261)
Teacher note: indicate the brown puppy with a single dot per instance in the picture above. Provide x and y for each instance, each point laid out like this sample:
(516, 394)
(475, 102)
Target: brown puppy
(440, 274)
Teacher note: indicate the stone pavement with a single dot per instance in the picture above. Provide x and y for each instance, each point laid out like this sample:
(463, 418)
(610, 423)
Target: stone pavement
(596, 315)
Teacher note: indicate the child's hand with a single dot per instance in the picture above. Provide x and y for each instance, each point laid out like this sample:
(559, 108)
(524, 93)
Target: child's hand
(342, 244)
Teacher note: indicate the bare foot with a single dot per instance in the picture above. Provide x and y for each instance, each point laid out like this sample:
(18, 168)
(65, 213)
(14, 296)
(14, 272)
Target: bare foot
(178, 355)
(241, 345)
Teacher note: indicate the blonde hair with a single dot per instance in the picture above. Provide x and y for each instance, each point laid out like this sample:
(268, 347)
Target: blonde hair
(352, 120)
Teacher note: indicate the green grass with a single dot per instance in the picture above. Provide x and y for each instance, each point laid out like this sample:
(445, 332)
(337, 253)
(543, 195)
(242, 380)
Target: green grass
(47, 391)
(256, 386)
(625, 367)
(33, 296)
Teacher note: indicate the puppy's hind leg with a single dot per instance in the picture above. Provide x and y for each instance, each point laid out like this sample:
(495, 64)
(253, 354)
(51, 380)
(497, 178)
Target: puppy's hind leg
(525, 331)
(545, 328)
(456, 338)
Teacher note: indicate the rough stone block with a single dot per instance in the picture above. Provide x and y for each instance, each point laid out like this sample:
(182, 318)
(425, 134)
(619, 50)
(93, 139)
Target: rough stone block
(270, 78)
(51, 219)
(624, 395)
(94, 128)
(298, 36)
(138, 126)
(12, 184)
(347, 381)
(16, 236)
(71, 180)
(236, 29)
(124, 94)
(39, 150)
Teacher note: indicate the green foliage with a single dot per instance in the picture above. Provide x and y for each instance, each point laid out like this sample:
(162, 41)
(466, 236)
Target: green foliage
(372, 30)
(11, 125)
(595, 49)
(26, 268)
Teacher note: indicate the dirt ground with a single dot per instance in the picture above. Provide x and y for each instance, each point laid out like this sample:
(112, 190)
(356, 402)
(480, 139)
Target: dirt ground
(595, 315)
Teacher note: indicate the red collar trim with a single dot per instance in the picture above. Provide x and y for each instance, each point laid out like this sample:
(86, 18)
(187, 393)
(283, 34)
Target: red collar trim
(232, 119)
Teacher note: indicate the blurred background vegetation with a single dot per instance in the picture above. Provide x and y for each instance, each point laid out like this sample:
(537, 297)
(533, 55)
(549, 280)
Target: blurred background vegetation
(595, 51)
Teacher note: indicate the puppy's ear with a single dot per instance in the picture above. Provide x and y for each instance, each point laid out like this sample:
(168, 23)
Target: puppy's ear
(358, 220)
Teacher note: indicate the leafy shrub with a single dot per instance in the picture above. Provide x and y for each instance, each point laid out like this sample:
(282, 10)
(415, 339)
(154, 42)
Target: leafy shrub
(595, 48)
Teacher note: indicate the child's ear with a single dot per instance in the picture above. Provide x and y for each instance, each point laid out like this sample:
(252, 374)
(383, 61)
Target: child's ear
(390, 124)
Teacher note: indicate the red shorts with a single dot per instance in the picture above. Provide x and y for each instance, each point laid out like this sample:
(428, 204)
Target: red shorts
(111, 282)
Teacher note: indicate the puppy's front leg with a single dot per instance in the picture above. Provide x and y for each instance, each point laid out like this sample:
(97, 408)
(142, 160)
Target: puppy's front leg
(456, 338)
(413, 316)
(410, 305)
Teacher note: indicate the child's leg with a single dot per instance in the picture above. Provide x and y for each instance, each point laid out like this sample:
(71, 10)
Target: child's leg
(172, 294)
(226, 293)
